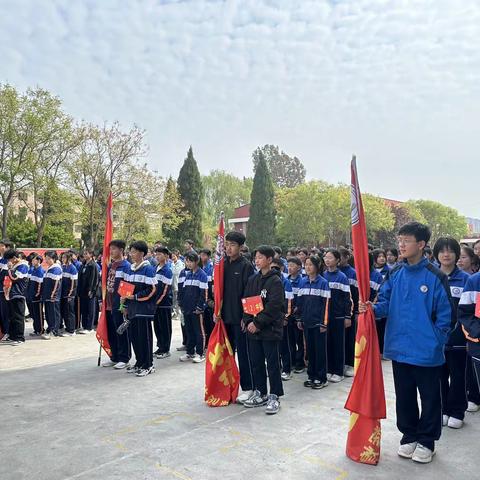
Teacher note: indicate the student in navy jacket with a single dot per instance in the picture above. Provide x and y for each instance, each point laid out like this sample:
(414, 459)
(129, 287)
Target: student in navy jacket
(454, 397)
(340, 315)
(88, 281)
(350, 332)
(4, 323)
(312, 315)
(18, 273)
(192, 297)
(118, 271)
(206, 265)
(69, 292)
(376, 281)
(51, 291)
(162, 321)
(380, 261)
(415, 297)
(141, 308)
(295, 276)
(33, 296)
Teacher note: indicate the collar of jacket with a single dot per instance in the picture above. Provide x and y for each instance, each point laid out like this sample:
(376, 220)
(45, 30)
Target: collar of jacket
(418, 266)
(21, 262)
(271, 273)
(136, 267)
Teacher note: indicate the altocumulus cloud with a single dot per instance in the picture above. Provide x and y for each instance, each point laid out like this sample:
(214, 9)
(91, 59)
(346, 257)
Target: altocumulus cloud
(397, 82)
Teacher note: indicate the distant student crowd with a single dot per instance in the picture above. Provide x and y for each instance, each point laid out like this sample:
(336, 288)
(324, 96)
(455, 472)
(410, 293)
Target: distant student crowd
(424, 301)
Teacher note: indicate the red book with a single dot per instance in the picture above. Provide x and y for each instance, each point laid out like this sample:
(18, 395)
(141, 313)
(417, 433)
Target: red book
(7, 282)
(125, 289)
(252, 305)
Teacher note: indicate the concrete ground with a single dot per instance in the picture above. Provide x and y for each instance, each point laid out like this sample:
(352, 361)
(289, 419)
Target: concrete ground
(65, 418)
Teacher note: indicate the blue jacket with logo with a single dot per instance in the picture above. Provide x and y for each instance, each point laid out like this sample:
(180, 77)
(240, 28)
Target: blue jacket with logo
(376, 281)
(417, 302)
(192, 291)
(34, 286)
(19, 277)
(351, 274)
(312, 302)
(295, 283)
(142, 276)
(164, 280)
(69, 281)
(466, 314)
(3, 272)
(341, 300)
(52, 283)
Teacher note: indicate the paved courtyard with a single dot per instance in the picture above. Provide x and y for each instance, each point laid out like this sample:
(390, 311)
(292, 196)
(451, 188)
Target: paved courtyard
(65, 418)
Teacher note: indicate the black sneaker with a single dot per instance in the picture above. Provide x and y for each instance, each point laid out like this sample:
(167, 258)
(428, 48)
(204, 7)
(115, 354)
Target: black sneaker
(157, 352)
(308, 383)
(256, 400)
(298, 369)
(317, 384)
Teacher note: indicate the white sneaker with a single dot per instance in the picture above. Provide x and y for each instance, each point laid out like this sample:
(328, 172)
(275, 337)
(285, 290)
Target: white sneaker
(422, 454)
(109, 363)
(143, 372)
(329, 376)
(335, 378)
(120, 365)
(198, 358)
(5, 337)
(286, 376)
(473, 407)
(186, 358)
(46, 336)
(445, 420)
(349, 371)
(406, 450)
(244, 396)
(455, 422)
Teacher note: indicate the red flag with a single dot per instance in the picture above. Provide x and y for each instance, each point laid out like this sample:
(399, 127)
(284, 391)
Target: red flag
(219, 267)
(221, 372)
(366, 400)
(102, 333)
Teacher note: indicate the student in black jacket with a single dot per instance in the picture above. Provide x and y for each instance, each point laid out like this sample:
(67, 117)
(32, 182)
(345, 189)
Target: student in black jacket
(88, 279)
(237, 270)
(265, 332)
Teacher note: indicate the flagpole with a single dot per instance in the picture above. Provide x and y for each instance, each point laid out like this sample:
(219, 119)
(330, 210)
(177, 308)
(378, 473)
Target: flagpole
(99, 355)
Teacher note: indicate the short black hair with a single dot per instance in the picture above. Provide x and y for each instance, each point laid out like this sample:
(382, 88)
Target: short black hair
(276, 262)
(190, 242)
(120, 244)
(11, 253)
(91, 251)
(163, 250)
(317, 262)
(140, 245)
(192, 257)
(277, 250)
(448, 243)
(393, 251)
(303, 250)
(469, 251)
(345, 252)
(265, 250)
(38, 258)
(294, 260)
(236, 237)
(7, 243)
(334, 252)
(377, 252)
(206, 251)
(52, 254)
(418, 230)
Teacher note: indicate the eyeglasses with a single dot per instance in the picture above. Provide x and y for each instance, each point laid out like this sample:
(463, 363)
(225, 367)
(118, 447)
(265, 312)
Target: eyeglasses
(403, 241)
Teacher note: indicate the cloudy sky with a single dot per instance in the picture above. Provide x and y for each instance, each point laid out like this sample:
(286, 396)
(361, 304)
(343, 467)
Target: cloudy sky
(396, 82)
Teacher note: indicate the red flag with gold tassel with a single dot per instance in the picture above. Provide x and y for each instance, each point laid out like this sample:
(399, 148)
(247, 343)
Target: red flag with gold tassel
(366, 400)
(221, 372)
(102, 333)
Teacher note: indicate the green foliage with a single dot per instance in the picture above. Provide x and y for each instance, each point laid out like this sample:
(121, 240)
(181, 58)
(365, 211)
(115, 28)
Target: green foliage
(261, 225)
(286, 171)
(21, 230)
(190, 188)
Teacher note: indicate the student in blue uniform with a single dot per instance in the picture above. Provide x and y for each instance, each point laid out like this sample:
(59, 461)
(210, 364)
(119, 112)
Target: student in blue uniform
(340, 315)
(192, 297)
(454, 397)
(33, 295)
(51, 291)
(416, 333)
(287, 349)
(312, 315)
(4, 323)
(392, 257)
(118, 271)
(380, 261)
(18, 273)
(206, 265)
(350, 332)
(295, 277)
(141, 309)
(69, 292)
(162, 322)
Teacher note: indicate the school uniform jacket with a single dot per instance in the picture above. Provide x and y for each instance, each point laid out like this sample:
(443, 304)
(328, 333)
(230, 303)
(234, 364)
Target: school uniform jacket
(19, 277)
(88, 280)
(34, 287)
(69, 281)
(376, 281)
(52, 276)
(287, 287)
(384, 270)
(164, 277)
(340, 301)
(143, 277)
(466, 314)
(312, 302)
(192, 291)
(351, 274)
(295, 283)
(3, 272)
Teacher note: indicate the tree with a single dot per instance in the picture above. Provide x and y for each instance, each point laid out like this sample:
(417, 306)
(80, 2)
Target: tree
(224, 192)
(286, 171)
(21, 230)
(261, 225)
(190, 188)
(441, 219)
(172, 211)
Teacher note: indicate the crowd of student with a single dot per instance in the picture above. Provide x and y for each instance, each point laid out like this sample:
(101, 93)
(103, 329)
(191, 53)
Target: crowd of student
(423, 299)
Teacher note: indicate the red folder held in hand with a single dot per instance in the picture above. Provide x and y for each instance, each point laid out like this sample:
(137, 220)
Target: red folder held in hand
(477, 306)
(125, 289)
(252, 305)
(7, 282)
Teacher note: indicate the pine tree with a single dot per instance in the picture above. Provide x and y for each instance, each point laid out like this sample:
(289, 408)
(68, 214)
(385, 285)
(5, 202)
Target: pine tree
(190, 188)
(261, 225)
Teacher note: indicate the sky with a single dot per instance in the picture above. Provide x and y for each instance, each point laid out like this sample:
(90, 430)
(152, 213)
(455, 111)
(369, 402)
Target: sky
(395, 82)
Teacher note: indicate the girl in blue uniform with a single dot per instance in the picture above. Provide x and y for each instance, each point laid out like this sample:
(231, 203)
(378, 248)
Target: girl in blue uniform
(380, 261)
(51, 292)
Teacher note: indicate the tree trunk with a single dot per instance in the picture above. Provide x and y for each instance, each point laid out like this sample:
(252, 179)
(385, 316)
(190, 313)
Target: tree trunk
(4, 219)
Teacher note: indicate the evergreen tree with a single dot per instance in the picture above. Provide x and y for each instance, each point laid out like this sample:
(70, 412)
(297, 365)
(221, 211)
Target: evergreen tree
(190, 188)
(261, 225)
